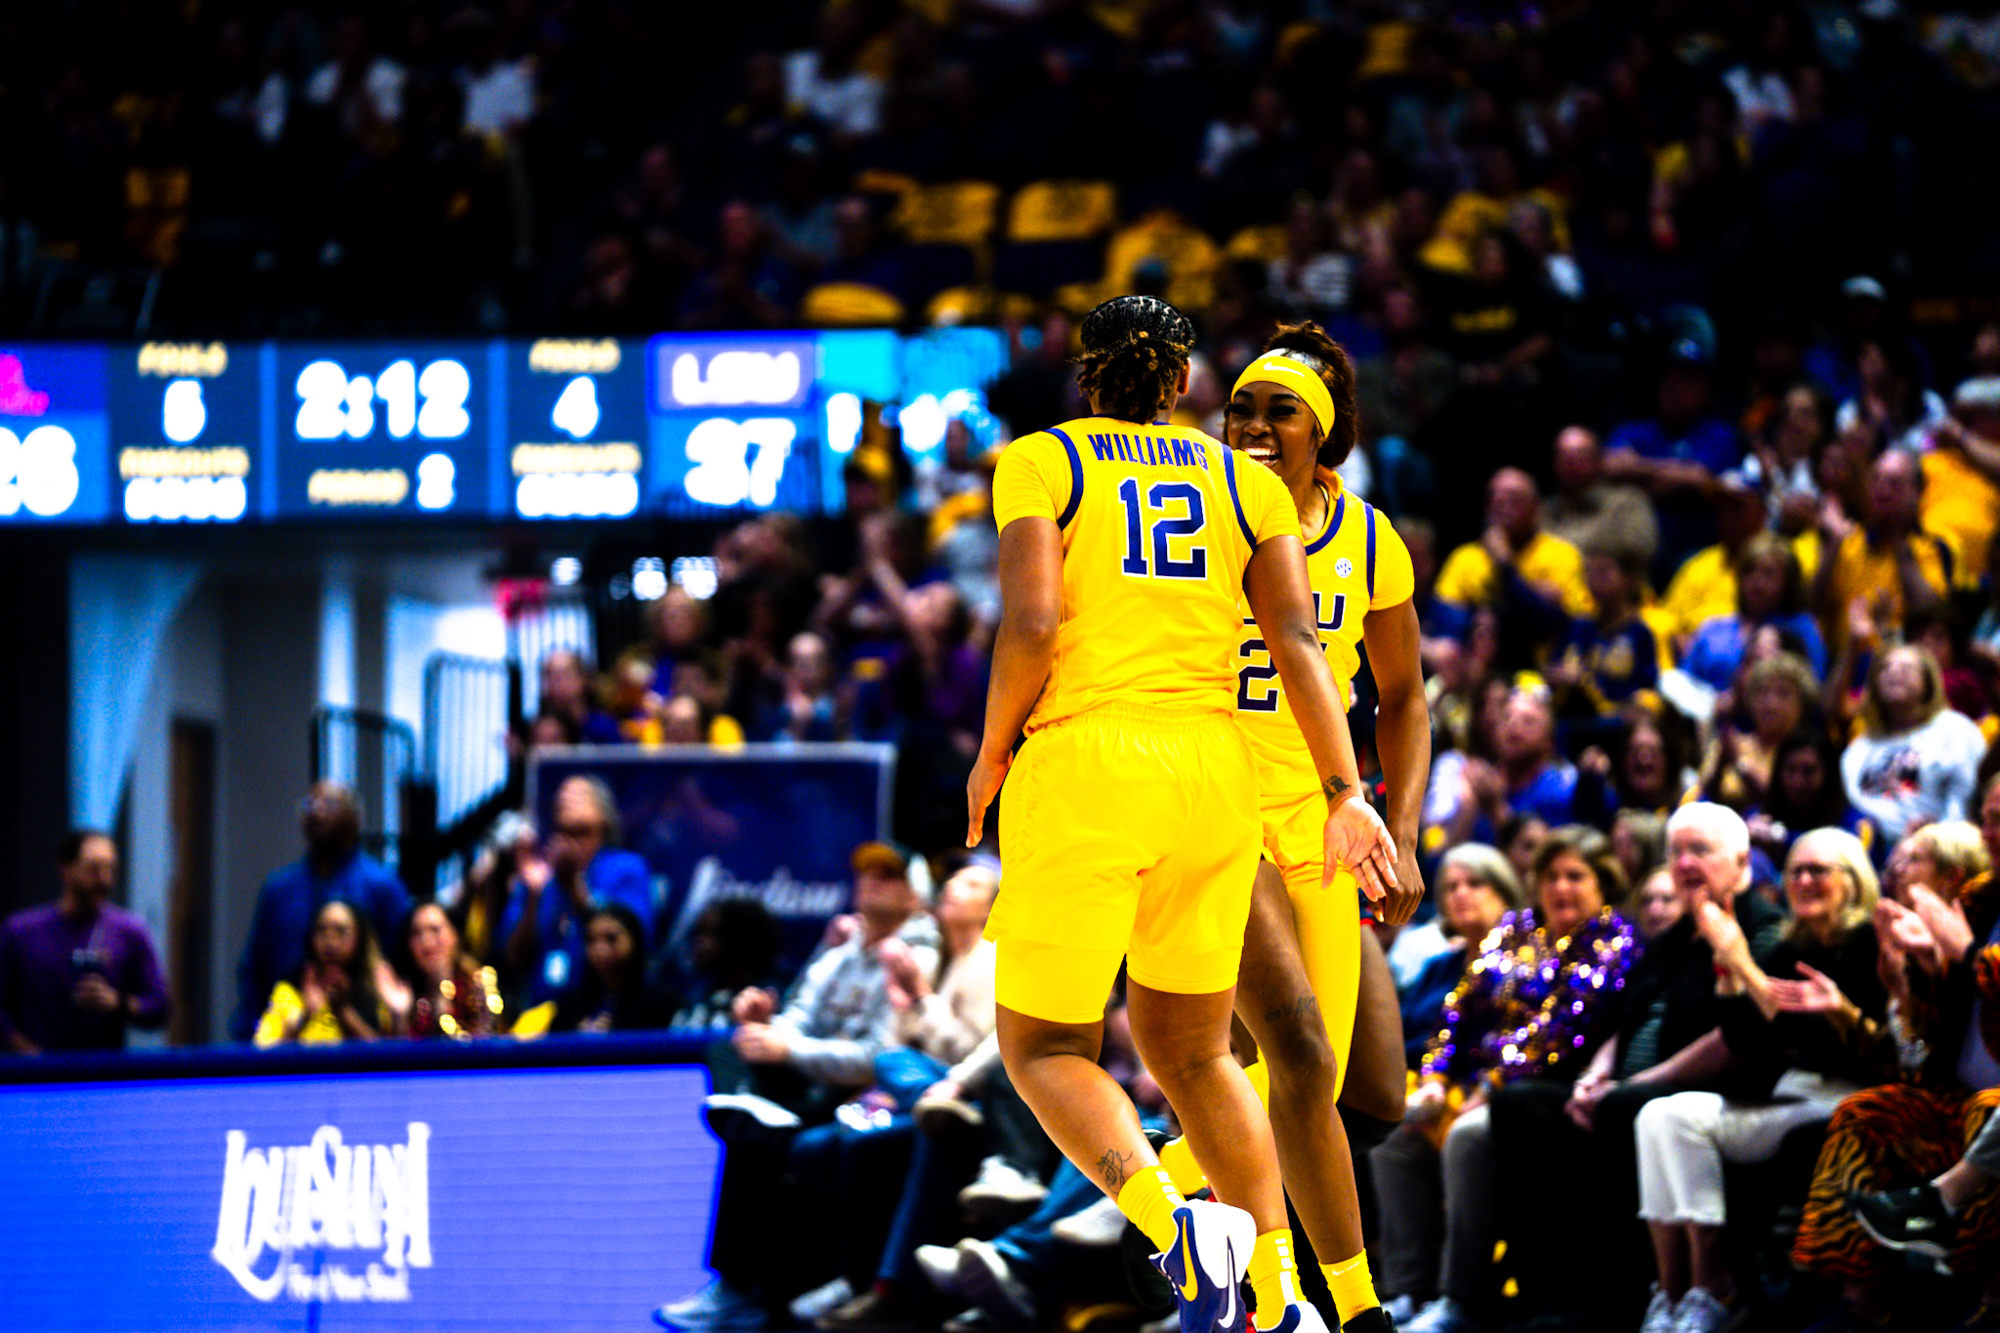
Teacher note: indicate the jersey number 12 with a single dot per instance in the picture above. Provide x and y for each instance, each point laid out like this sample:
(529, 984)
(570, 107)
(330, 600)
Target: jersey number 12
(1177, 506)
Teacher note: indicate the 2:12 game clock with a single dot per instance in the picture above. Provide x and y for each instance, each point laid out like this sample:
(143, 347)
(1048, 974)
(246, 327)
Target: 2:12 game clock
(382, 428)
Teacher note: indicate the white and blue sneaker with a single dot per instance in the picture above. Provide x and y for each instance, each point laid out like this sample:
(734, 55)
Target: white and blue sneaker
(1206, 1263)
(716, 1306)
(1300, 1317)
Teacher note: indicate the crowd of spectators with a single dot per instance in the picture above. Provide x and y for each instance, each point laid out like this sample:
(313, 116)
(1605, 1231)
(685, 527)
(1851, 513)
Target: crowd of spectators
(1495, 192)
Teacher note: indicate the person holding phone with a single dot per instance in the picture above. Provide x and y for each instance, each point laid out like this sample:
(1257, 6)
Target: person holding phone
(76, 973)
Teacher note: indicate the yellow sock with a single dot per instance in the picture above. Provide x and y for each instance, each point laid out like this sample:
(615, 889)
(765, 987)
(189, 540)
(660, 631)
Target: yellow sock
(1178, 1158)
(1274, 1276)
(1352, 1287)
(1148, 1200)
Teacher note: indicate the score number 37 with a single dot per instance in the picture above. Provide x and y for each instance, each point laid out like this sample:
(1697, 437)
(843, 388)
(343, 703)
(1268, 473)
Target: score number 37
(431, 404)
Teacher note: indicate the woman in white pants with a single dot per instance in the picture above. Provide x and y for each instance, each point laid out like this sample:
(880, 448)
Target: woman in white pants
(1803, 1031)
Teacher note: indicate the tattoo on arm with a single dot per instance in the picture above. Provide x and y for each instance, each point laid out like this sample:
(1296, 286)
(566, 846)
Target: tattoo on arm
(1304, 1006)
(1335, 785)
(1113, 1168)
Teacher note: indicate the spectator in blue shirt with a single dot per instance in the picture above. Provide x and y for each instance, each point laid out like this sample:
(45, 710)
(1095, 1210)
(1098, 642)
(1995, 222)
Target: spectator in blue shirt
(1538, 780)
(1770, 590)
(334, 866)
(1604, 661)
(566, 693)
(554, 895)
(1678, 454)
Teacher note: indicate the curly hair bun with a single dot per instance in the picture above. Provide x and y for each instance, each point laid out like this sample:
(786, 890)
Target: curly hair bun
(1133, 350)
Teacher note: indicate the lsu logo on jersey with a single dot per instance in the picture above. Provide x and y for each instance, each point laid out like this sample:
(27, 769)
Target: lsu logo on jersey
(1257, 680)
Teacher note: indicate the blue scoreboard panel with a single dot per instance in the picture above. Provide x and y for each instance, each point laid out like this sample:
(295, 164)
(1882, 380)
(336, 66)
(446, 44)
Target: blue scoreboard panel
(53, 436)
(681, 425)
(372, 429)
(185, 431)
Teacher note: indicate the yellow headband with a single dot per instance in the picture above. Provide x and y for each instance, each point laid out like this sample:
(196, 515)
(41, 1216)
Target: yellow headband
(1277, 368)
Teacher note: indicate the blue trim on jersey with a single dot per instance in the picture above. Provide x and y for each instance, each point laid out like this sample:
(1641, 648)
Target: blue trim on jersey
(1371, 551)
(1075, 479)
(1229, 474)
(1332, 525)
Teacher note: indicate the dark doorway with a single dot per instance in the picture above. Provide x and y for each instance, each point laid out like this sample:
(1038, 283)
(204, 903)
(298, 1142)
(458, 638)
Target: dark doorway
(191, 891)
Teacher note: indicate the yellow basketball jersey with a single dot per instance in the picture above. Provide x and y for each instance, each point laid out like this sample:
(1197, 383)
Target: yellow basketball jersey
(1157, 523)
(1357, 564)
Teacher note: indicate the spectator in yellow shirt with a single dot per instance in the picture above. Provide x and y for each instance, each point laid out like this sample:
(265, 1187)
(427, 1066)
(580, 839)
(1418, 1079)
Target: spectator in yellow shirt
(1891, 564)
(1534, 579)
(1704, 587)
(1962, 471)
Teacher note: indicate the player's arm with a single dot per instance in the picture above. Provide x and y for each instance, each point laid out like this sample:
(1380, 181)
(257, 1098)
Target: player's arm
(1023, 651)
(1280, 596)
(1403, 738)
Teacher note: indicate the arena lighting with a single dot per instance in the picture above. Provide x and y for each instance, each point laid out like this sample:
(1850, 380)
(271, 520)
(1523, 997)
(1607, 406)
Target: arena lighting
(649, 578)
(696, 575)
(565, 571)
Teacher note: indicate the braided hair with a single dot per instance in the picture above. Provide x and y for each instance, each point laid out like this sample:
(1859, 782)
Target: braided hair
(1134, 349)
(1311, 346)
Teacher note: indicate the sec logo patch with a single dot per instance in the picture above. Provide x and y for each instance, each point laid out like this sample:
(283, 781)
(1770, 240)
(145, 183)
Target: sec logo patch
(1343, 566)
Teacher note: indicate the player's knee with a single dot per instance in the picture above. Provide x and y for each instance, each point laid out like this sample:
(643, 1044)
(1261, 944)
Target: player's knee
(1025, 1043)
(1298, 1050)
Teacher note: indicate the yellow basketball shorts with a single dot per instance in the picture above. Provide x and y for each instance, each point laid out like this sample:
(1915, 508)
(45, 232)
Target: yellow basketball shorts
(1327, 916)
(1127, 833)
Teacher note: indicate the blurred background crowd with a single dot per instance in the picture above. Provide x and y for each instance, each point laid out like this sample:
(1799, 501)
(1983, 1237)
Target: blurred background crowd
(1678, 372)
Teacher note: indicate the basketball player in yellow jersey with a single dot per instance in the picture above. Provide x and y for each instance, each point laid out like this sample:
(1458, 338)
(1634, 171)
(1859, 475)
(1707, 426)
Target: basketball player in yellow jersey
(1292, 411)
(1125, 547)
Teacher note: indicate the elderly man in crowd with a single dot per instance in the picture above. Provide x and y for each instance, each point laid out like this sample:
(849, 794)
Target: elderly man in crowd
(580, 868)
(784, 1067)
(1666, 1038)
(75, 973)
(334, 866)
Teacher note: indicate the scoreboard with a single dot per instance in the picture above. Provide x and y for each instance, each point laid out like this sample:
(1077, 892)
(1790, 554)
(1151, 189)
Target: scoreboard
(681, 425)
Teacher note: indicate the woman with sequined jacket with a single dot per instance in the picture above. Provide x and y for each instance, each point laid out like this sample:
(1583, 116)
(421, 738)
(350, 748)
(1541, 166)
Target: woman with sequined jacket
(453, 996)
(1531, 1006)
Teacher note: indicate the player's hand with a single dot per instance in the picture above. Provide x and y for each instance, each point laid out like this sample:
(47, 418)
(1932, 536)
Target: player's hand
(988, 772)
(1357, 838)
(1400, 904)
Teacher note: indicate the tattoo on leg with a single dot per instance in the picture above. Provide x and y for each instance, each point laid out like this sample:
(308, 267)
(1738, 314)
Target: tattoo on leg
(1113, 1168)
(1304, 1006)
